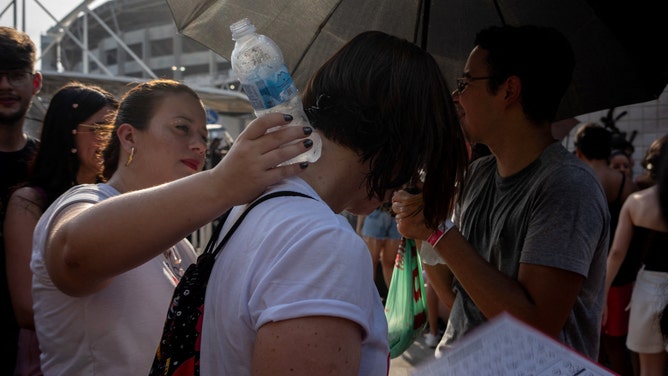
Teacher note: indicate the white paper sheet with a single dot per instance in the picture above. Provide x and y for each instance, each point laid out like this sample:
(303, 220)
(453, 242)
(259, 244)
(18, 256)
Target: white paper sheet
(506, 346)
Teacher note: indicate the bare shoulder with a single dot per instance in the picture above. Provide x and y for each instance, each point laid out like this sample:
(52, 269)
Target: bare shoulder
(27, 198)
(644, 209)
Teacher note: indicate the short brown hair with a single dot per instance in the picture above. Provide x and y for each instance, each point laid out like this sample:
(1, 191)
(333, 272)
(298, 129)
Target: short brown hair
(386, 99)
(17, 49)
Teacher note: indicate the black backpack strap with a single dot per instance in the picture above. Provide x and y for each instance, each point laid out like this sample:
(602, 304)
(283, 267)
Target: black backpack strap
(216, 231)
(209, 250)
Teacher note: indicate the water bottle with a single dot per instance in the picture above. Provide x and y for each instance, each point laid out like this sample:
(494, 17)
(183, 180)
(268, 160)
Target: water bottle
(429, 256)
(258, 63)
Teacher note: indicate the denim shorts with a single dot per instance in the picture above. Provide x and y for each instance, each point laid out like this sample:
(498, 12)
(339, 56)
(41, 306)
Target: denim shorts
(380, 225)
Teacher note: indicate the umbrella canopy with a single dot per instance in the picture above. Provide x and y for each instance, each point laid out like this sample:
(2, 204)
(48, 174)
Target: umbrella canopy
(619, 54)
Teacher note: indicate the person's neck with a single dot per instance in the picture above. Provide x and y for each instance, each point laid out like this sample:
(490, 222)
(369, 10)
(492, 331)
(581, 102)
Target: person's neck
(135, 177)
(122, 181)
(12, 137)
(336, 176)
(520, 145)
(598, 164)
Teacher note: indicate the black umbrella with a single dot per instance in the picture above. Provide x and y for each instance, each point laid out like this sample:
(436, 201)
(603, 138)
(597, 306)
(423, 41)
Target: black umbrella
(619, 45)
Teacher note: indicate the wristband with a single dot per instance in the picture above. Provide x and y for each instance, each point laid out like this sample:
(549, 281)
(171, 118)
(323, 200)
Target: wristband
(442, 229)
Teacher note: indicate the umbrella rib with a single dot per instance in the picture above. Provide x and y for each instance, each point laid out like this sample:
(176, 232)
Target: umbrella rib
(498, 11)
(315, 36)
(422, 18)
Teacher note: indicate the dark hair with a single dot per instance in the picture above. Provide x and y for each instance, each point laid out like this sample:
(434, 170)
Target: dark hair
(17, 49)
(616, 152)
(619, 142)
(593, 141)
(55, 168)
(386, 99)
(651, 161)
(540, 56)
(137, 108)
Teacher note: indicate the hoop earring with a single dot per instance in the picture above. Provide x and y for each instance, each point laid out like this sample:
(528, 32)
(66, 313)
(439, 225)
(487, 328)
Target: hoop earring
(131, 157)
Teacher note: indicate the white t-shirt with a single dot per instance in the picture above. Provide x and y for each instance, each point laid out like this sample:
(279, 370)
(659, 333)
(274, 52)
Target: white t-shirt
(291, 257)
(114, 331)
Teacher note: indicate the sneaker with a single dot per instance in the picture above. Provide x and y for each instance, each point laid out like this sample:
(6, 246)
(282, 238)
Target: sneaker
(431, 340)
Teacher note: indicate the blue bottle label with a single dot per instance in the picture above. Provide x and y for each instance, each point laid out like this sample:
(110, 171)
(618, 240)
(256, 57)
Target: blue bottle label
(270, 91)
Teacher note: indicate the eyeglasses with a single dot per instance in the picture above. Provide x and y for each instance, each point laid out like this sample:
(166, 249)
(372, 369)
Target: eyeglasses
(16, 77)
(463, 82)
(98, 129)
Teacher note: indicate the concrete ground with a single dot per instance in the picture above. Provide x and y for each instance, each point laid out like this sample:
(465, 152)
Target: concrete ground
(405, 364)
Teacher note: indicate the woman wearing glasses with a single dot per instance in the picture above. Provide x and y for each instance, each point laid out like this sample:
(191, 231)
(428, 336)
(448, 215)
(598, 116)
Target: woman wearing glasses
(69, 154)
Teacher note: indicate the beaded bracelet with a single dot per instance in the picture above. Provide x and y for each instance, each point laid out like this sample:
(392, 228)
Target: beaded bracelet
(442, 229)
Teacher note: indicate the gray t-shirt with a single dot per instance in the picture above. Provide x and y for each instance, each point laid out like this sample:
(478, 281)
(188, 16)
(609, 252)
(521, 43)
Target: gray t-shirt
(552, 213)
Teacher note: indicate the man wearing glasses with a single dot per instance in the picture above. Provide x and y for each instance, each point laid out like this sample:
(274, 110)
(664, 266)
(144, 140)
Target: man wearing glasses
(18, 84)
(532, 221)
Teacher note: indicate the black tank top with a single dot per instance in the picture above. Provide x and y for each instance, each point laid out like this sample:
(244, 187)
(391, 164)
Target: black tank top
(653, 246)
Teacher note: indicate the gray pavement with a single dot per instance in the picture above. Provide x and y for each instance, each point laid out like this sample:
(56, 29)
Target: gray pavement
(405, 364)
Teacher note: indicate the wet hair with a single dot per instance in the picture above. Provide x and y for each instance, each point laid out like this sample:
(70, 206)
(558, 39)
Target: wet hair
(386, 99)
(593, 141)
(541, 57)
(137, 108)
(17, 49)
(55, 167)
(651, 160)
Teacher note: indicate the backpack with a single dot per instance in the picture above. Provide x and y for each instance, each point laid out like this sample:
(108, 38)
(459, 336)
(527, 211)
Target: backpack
(179, 348)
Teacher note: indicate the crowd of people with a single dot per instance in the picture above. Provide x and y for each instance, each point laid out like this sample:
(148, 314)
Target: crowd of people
(95, 215)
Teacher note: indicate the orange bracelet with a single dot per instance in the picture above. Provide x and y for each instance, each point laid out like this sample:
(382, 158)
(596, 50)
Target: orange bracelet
(442, 229)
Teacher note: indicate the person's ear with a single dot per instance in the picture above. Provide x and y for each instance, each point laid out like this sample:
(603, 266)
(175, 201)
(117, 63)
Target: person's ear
(512, 88)
(36, 83)
(126, 136)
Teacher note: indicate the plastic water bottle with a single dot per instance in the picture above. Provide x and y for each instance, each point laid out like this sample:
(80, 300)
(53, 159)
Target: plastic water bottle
(258, 63)
(429, 256)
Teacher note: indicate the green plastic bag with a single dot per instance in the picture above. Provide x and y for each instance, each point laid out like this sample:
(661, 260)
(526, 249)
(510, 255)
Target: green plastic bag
(406, 307)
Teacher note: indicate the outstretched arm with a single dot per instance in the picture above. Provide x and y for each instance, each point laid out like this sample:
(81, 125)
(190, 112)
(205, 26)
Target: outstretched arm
(90, 244)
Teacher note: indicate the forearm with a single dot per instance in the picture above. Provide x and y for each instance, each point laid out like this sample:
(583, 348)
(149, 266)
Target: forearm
(493, 292)
(613, 263)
